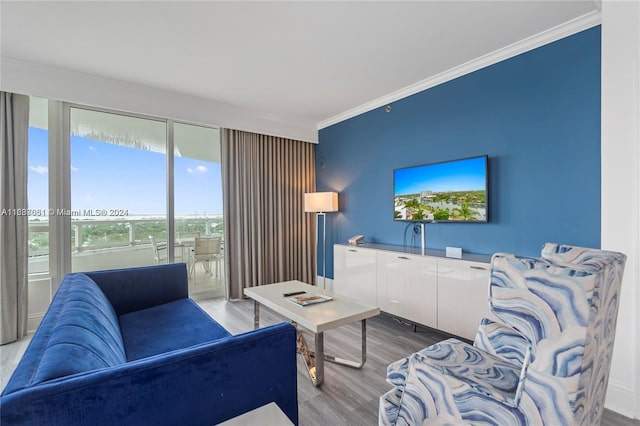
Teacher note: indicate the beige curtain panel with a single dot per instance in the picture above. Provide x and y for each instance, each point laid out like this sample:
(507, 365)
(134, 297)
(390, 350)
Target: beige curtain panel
(14, 255)
(268, 237)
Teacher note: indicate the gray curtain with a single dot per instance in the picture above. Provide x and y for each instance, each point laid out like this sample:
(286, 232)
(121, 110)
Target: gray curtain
(268, 237)
(14, 127)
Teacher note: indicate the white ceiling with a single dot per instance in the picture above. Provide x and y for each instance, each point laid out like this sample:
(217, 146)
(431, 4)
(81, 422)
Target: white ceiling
(307, 61)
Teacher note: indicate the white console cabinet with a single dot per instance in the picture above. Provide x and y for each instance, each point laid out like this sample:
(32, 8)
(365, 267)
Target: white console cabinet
(429, 289)
(408, 286)
(463, 296)
(354, 271)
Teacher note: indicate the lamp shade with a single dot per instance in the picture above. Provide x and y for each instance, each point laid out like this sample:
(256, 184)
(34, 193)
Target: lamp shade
(321, 202)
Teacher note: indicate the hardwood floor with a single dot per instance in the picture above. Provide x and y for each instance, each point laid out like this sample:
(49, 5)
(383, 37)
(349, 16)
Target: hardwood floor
(348, 396)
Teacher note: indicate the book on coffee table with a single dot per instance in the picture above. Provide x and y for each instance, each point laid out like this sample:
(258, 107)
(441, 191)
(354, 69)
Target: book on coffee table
(306, 299)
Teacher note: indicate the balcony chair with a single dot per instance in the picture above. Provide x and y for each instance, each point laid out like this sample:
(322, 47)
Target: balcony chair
(548, 362)
(205, 251)
(159, 251)
(182, 235)
(185, 243)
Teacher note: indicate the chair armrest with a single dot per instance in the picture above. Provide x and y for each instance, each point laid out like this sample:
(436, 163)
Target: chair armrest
(427, 399)
(389, 404)
(133, 289)
(397, 372)
(487, 374)
(204, 384)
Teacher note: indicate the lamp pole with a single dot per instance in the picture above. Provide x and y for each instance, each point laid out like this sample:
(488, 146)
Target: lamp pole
(324, 247)
(321, 203)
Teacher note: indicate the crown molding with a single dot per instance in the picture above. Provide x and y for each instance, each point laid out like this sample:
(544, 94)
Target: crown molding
(558, 32)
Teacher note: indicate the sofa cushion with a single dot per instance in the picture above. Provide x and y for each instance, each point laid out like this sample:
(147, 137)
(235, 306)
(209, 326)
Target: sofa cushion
(86, 334)
(167, 327)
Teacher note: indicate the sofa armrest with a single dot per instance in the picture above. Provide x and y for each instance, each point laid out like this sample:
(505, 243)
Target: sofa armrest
(133, 289)
(202, 385)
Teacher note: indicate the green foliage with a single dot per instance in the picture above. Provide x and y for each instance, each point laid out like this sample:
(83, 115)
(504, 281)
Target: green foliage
(412, 204)
(417, 215)
(38, 243)
(441, 215)
(117, 233)
(451, 205)
(465, 212)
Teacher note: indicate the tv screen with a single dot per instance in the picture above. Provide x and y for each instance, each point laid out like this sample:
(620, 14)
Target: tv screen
(451, 191)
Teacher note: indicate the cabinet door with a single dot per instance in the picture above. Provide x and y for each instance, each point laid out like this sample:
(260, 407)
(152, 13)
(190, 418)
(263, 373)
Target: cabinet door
(354, 273)
(463, 296)
(407, 287)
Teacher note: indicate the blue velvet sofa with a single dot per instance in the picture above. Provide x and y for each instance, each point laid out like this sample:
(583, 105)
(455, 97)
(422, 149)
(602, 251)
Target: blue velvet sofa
(129, 347)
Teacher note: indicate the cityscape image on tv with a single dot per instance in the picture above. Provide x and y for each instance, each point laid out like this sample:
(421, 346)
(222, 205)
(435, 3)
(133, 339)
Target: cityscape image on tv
(453, 191)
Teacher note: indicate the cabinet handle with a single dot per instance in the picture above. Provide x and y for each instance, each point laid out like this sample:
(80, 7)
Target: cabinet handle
(403, 257)
(482, 268)
(355, 251)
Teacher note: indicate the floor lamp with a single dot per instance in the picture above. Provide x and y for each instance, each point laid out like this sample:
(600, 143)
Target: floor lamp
(321, 203)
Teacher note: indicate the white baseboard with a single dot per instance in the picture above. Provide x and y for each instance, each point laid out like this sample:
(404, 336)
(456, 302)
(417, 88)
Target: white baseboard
(33, 321)
(621, 400)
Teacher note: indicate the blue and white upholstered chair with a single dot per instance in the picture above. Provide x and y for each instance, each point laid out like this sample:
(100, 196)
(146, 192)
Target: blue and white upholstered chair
(547, 363)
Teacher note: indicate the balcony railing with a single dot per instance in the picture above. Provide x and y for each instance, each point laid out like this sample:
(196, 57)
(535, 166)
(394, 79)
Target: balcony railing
(124, 243)
(87, 234)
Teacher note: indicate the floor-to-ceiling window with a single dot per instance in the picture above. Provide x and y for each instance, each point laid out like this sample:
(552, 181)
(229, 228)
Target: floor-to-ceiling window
(118, 190)
(104, 182)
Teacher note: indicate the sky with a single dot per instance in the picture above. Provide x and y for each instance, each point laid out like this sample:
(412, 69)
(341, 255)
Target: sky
(463, 175)
(108, 176)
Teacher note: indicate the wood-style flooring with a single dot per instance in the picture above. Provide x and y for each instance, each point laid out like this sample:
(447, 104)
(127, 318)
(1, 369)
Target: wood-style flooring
(348, 396)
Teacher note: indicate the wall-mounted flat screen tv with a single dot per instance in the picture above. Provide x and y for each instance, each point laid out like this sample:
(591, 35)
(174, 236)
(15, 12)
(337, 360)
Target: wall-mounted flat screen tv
(450, 191)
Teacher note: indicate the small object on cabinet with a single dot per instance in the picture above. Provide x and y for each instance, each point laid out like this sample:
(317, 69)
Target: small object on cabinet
(356, 239)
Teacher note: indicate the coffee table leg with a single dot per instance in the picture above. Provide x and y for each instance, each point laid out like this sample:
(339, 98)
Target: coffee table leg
(256, 315)
(314, 364)
(319, 359)
(348, 362)
(314, 360)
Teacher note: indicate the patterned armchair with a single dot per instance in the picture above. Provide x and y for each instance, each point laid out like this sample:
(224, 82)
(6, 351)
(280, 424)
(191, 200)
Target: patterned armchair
(546, 364)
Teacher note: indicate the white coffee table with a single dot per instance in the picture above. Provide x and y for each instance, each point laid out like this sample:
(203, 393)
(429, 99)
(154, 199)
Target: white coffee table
(316, 318)
(267, 415)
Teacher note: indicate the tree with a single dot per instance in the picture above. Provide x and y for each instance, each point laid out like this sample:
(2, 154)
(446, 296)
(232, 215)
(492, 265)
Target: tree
(441, 215)
(417, 215)
(412, 204)
(465, 212)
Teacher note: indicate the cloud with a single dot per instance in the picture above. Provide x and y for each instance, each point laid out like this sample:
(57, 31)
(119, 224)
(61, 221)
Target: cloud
(199, 169)
(92, 148)
(43, 170)
(74, 169)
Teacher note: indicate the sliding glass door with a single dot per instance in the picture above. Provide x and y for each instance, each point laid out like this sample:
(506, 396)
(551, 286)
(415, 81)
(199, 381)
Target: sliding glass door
(118, 190)
(198, 206)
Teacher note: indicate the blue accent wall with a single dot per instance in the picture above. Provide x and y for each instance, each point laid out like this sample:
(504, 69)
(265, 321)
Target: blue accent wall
(537, 117)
